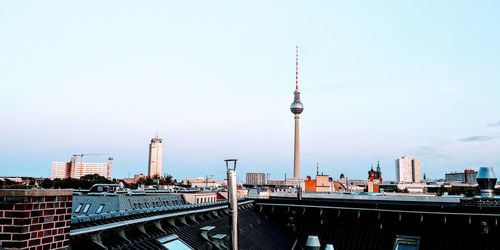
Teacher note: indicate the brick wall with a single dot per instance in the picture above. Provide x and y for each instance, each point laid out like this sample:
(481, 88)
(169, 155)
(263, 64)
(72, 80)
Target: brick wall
(35, 219)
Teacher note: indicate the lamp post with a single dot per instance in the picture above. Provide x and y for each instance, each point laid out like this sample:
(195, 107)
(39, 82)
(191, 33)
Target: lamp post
(233, 203)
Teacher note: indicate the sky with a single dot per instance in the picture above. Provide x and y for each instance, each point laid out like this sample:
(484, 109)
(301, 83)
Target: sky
(378, 80)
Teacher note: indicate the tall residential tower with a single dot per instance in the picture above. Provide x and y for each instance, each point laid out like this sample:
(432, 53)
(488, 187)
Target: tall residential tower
(408, 170)
(296, 109)
(155, 157)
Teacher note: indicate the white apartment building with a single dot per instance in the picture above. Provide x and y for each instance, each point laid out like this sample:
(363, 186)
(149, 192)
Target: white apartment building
(76, 169)
(100, 168)
(408, 170)
(59, 170)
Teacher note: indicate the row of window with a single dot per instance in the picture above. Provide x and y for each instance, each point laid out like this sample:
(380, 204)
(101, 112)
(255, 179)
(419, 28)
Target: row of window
(84, 208)
(205, 199)
(154, 204)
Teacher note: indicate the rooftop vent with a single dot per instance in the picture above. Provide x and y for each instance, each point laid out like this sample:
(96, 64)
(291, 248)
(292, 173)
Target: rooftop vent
(329, 247)
(313, 243)
(486, 179)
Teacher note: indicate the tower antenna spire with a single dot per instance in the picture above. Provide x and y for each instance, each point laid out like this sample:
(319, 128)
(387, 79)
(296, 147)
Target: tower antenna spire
(297, 68)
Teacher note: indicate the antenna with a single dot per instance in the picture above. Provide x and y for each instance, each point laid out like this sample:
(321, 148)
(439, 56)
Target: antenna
(156, 134)
(297, 68)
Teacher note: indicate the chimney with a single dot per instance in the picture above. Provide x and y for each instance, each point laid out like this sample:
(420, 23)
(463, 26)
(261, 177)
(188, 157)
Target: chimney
(233, 204)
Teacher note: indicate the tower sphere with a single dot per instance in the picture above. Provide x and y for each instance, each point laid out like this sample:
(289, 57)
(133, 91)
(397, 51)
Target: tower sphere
(297, 107)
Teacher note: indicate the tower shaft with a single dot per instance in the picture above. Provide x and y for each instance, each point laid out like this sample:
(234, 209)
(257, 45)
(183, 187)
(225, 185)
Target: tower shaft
(296, 149)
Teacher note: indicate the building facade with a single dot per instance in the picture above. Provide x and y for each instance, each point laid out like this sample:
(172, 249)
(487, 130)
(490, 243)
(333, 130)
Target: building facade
(323, 183)
(256, 179)
(60, 170)
(155, 164)
(408, 170)
(467, 176)
(76, 169)
(201, 182)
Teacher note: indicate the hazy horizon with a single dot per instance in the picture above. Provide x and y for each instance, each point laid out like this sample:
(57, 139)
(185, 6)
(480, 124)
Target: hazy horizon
(378, 80)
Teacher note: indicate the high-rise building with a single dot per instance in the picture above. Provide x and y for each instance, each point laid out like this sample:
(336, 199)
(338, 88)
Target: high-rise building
(408, 170)
(297, 107)
(155, 164)
(255, 179)
(76, 169)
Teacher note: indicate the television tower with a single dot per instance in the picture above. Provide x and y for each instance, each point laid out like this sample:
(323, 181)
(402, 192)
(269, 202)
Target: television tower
(297, 107)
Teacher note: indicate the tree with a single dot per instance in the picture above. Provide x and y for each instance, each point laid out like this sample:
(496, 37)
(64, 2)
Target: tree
(167, 180)
(47, 183)
(95, 179)
(85, 182)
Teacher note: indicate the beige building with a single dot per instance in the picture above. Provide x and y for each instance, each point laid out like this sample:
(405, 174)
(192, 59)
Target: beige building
(197, 198)
(408, 170)
(201, 182)
(155, 164)
(76, 169)
(323, 183)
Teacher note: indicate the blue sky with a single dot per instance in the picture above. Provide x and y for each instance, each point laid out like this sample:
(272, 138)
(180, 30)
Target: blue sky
(379, 79)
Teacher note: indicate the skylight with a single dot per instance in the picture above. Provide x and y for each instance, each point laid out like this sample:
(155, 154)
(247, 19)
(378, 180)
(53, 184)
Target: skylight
(173, 242)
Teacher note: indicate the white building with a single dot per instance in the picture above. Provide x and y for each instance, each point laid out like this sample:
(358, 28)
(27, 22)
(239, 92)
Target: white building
(76, 169)
(155, 164)
(60, 170)
(408, 170)
(100, 168)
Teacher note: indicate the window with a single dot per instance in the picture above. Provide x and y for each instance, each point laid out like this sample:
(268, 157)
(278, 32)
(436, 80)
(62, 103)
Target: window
(99, 209)
(404, 242)
(173, 242)
(79, 208)
(86, 208)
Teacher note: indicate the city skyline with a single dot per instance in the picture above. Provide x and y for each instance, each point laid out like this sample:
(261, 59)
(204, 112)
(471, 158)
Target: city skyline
(380, 83)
